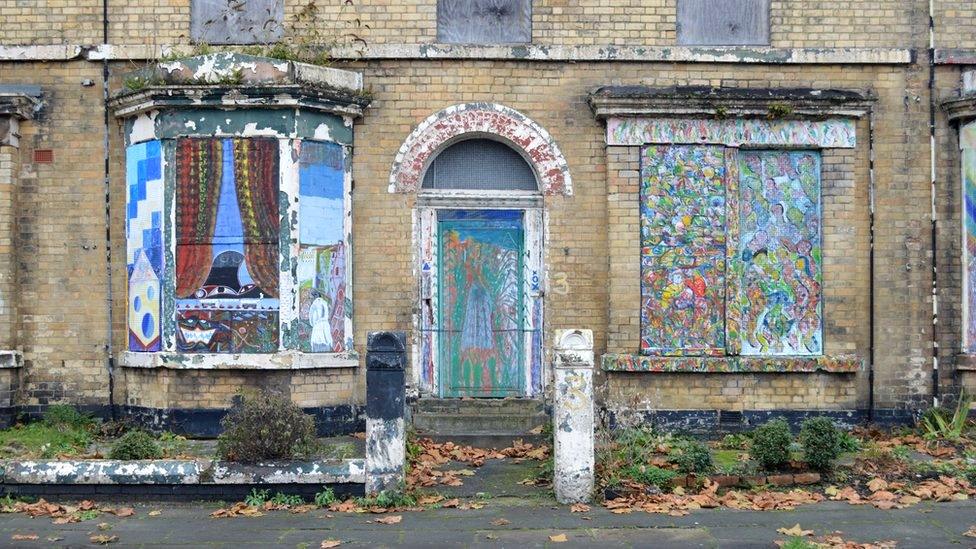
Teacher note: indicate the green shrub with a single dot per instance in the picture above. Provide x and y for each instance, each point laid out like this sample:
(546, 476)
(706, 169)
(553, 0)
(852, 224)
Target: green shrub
(820, 440)
(266, 426)
(257, 497)
(284, 499)
(389, 499)
(325, 497)
(771, 444)
(692, 456)
(136, 445)
(649, 475)
(939, 424)
(848, 443)
(65, 417)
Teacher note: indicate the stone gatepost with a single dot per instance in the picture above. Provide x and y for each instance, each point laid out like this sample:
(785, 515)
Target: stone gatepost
(573, 416)
(386, 358)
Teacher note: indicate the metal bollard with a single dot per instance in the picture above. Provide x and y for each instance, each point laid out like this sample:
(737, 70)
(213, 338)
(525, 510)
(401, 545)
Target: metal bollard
(386, 359)
(573, 416)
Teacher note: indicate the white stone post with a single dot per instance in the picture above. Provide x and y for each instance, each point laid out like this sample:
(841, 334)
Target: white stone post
(573, 416)
(386, 358)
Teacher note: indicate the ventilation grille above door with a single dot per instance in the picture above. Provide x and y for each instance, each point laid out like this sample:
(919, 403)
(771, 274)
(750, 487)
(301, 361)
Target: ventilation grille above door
(480, 164)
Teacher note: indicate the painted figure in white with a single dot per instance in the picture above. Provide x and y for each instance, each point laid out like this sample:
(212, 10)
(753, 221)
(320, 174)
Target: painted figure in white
(318, 317)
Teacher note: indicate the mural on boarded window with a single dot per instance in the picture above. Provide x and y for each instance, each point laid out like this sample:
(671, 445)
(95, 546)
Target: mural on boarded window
(682, 216)
(227, 224)
(969, 182)
(322, 251)
(144, 243)
(778, 309)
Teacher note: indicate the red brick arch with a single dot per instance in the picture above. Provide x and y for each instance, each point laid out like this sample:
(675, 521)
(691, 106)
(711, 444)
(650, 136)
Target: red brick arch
(480, 119)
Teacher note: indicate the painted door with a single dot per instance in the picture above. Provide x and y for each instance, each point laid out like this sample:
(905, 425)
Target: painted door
(480, 302)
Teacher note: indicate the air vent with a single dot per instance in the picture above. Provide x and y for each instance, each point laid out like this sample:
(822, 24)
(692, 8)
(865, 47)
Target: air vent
(727, 417)
(43, 156)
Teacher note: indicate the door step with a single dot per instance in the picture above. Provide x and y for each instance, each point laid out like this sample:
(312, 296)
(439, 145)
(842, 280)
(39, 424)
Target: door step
(482, 423)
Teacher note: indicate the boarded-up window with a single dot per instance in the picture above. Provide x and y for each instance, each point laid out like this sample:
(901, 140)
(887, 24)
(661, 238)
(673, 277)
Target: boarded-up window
(236, 21)
(723, 22)
(484, 21)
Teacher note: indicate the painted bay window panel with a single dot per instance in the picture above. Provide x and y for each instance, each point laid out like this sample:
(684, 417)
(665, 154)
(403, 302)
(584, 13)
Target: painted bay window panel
(776, 308)
(682, 223)
(144, 244)
(322, 248)
(967, 141)
(227, 245)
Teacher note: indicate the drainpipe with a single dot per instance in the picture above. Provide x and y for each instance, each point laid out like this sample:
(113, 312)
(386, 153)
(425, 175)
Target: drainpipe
(871, 306)
(934, 214)
(109, 351)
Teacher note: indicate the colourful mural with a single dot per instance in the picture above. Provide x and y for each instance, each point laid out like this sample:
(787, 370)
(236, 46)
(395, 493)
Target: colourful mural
(777, 308)
(144, 243)
(227, 234)
(480, 304)
(830, 133)
(842, 364)
(322, 250)
(682, 223)
(969, 216)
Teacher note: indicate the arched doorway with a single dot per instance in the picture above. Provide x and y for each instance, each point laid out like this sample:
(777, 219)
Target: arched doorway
(480, 173)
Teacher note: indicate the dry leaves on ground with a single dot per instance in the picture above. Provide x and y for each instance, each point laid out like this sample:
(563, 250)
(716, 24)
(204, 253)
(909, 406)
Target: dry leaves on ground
(579, 508)
(237, 510)
(392, 519)
(425, 472)
(328, 543)
(24, 537)
(795, 531)
(558, 538)
(102, 539)
(971, 533)
(678, 504)
(63, 514)
(836, 540)
(500, 522)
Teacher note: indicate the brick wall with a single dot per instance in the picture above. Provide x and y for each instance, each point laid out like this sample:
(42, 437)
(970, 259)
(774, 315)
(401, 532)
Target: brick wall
(794, 23)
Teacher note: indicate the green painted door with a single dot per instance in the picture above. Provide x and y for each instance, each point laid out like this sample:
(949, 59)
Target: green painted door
(480, 298)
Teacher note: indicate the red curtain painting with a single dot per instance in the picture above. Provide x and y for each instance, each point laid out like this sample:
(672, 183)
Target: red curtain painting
(197, 193)
(256, 171)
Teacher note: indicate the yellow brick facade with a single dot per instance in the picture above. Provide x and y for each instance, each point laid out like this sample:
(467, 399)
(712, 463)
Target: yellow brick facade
(55, 231)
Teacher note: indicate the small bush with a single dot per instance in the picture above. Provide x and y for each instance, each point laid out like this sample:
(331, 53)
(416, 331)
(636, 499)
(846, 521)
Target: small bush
(820, 440)
(771, 444)
(65, 417)
(257, 498)
(289, 500)
(136, 445)
(692, 456)
(266, 426)
(848, 443)
(649, 475)
(388, 499)
(325, 498)
(735, 441)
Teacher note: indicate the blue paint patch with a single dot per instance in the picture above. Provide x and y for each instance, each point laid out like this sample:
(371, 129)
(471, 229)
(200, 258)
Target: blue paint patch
(321, 207)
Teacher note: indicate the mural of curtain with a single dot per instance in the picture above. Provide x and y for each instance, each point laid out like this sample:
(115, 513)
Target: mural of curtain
(256, 168)
(198, 190)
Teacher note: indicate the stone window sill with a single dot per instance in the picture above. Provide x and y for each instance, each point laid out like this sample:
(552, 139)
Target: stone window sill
(837, 364)
(966, 362)
(285, 360)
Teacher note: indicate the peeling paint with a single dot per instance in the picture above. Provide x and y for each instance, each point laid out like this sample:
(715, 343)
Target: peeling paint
(385, 453)
(573, 416)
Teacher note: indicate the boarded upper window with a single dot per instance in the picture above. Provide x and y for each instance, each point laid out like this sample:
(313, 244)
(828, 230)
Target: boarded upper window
(723, 22)
(480, 164)
(236, 21)
(484, 21)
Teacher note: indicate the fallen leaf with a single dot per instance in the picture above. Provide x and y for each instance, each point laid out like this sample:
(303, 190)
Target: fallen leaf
(971, 533)
(122, 511)
(877, 484)
(104, 526)
(53, 539)
(831, 491)
(392, 519)
(155, 513)
(430, 500)
(102, 539)
(500, 522)
(579, 508)
(463, 472)
(327, 543)
(558, 538)
(451, 503)
(795, 531)
(24, 537)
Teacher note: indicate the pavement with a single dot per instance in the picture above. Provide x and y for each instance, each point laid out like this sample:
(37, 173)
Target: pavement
(503, 522)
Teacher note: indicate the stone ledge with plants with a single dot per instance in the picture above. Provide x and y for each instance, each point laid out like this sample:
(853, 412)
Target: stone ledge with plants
(639, 469)
(266, 440)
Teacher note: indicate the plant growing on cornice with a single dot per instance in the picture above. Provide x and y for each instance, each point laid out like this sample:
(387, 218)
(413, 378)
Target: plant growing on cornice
(779, 110)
